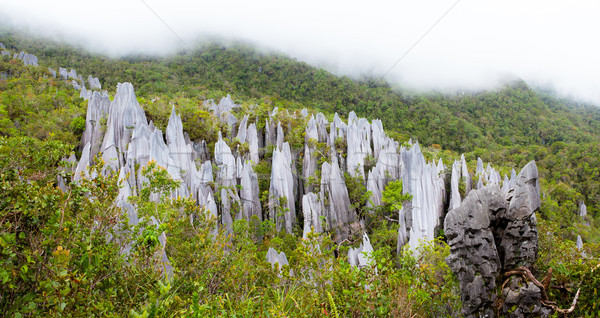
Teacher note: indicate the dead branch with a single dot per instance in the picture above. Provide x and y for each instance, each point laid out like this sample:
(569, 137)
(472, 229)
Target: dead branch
(543, 286)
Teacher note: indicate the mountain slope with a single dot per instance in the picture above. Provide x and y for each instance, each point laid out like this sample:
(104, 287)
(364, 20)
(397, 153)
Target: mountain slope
(512, 115)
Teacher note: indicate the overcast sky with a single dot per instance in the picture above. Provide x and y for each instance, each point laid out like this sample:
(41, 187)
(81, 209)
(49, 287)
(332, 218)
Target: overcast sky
(476, 44)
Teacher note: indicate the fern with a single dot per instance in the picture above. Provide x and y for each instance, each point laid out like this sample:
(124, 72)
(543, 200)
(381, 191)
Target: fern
(332, 304)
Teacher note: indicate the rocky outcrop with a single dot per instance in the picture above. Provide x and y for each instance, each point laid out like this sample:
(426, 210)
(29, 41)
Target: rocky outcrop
(28, 59)
(337, 208)
(582, 209)
(426, 185)
(312, 210)
(522, 299)
(359, 144)
(276, 258)
(519, 238)
(361, 256)
(490, 233)
(225, 162)
(249, 193)
(94, 82)
(490, 229)
(95, 122)
(282, 207)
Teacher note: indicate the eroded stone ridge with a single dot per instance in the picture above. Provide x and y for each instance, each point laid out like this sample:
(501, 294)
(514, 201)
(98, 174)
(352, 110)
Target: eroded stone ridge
(492, 232)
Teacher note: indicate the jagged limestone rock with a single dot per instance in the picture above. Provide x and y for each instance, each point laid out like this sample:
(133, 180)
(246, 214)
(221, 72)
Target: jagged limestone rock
(280, 135)
(522, 299)
(124, 116)
(76, 85)
(201, 151)
(180, 150)
(519, 239)
(465, 175)
(282, 208)
(322, 125)
(361, 256)
(309, 164)
(312, 209)
(94, 82)
(249, 193)
(252, 140)
(63, 73)
(455, 198)
(424, 183)
(492, 232)
(85, 94)
(338, 211)
(276, 258)
(230, 204)
(270, 134)
(72, 75)
(474, 258)
(359, 144)
(95, 122)
(226, 163)
(83, 164)
(211, 206)
(28, 59)
(242, 128)
(582, 209)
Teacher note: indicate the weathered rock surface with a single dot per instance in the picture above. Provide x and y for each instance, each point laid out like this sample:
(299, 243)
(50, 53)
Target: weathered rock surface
(519, 239)
(474, 258)
(282, 207)
(491, 233)
(94, 82)
(338, 211)
(524, 297)
(28, 59)
(582, 209)
(95, 119)
(363, 255)
(312, 210)
(424, 183)
(276, 258)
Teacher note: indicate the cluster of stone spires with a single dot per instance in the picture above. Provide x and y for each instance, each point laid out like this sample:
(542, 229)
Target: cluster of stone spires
(128, 140)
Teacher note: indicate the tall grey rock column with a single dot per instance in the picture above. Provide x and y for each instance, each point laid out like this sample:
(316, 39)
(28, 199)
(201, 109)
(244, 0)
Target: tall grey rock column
(474, 258)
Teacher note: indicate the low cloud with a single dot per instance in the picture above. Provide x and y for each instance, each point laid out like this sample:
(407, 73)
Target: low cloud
(478, 43)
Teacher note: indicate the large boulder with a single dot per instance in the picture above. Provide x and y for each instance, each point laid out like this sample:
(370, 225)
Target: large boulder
(474, 258)
(490, 233)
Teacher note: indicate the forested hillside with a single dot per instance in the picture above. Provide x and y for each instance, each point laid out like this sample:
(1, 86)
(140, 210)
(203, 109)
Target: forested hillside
(56, 255)
(507, 126)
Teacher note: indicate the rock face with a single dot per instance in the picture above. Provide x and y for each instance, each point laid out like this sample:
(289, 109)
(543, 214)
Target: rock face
(362, 255)
(28, 59)
(524, 297)
(312, 210)
(519, 238)
(582, 209)
(95, 120)
(282, 208)
(424, 183)
(490, 233)
(94, 82)
(276, 258)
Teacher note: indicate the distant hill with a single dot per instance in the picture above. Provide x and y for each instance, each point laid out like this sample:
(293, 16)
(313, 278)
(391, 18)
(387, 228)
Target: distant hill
(514, 114)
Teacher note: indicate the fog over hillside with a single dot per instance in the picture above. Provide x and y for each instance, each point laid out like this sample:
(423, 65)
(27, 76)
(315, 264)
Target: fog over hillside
(431, 44)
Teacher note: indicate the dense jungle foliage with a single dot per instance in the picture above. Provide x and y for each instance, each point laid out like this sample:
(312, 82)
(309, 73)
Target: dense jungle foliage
(56, 260)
